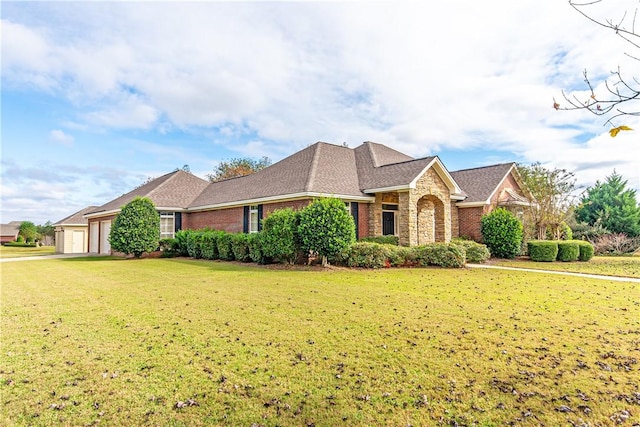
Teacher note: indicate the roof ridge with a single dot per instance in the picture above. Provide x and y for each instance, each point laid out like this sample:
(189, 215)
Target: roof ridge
(167, 179)
(484, 167)
(314, 166)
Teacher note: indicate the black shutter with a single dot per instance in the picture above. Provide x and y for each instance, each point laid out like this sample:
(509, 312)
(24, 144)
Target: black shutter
(354, 214)
(259, 217)
(177, 221)
(245, 220)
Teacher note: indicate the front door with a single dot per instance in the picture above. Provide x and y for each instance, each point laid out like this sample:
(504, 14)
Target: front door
(388, 223)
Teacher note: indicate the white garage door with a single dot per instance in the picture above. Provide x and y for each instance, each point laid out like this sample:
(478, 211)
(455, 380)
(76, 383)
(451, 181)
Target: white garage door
(77, 246)
(105, 247)
(94, 238)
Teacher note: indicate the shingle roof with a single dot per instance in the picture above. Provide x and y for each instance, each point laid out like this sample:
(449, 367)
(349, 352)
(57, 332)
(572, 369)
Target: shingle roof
(480, 183)
(76, 218)
(10, 229)
(173, 190)
(320, 168)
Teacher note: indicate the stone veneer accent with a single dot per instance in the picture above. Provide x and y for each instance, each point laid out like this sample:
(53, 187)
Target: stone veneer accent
(424, 212)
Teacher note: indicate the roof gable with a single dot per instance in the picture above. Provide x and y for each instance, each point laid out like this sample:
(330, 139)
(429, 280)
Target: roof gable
(76, 218)
(480, 184)
(175, 190)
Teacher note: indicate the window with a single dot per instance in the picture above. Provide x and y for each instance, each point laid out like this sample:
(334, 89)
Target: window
(167, 227)
(253, 219)
(389, 219)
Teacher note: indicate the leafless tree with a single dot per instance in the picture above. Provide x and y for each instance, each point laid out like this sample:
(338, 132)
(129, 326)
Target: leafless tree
(621, 93)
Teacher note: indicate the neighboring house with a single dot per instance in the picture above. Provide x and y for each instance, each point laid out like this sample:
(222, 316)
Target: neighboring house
(9, 232)
(387, 193)
(72, 233)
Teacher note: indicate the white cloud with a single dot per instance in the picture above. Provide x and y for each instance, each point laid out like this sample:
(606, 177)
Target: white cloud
(60, 137)
(274, 77)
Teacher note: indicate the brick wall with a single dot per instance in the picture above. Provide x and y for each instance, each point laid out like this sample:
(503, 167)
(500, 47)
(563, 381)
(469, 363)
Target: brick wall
(230, 220)
(469, 222)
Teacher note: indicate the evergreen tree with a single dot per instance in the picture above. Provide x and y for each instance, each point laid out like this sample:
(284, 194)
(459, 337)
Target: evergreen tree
(136, 229)
(611, 205)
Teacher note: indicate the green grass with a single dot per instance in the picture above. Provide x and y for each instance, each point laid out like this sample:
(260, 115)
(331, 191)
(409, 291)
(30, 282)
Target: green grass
(627, 266)
(121, 342)
(19, 252)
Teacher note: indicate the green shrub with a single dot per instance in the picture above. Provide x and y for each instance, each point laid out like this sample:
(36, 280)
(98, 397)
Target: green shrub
(383, 240)
(542, 250)
(168, 247)
(182, 238)
(476, 253)
(240, 247)
(194, 243)
(280, 239)
(20, 239)
(586, 250)
(399, 256)
(209, 243)
(326, 228)
(255, 249)
(20, 244)
(225, 251)
(367, 255)
(136, 229)
(441, 254)
(502, 233)
(568, 251)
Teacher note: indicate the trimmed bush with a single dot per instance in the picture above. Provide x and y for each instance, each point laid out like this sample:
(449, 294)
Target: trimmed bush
(543, 250)
(240, 247)
(225, 251)
(441, 254)
(326, 227)
(194, 244)
(383, 240)
(209, 243)
(280, 239)
(476, 253)
(20, 239)
(568, 251)
(367, 255)
(256, 252)
(19, 244)
(168, 247)
(502, 233)
(182, 242)
(136, 229)
(586, 250)
(400, 256)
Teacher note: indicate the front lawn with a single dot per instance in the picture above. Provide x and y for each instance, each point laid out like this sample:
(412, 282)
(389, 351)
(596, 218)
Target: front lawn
(19, 252)
(626, 266)
(184, 342)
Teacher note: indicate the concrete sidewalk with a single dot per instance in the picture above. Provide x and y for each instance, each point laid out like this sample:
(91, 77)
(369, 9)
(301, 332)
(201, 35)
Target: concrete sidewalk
(43, 257)
(563, 273)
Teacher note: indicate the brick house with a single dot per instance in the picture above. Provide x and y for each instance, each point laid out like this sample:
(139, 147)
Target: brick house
(387, 192)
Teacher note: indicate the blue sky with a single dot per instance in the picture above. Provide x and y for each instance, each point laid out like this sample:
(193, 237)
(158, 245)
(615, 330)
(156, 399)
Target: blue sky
(99, 96)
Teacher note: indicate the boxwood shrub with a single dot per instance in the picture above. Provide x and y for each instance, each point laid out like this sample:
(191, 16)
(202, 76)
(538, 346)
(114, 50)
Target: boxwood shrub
(586, 250)
(240, 247)
(543, 250)
(568, 251)
(367, 255)
(400, 256)
(256, 248)
(502, 233)
(476, 253)
(441, 254)
(225, 251)
(383, 240)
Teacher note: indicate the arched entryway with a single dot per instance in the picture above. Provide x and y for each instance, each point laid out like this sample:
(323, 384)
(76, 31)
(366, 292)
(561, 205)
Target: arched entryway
(431, 225)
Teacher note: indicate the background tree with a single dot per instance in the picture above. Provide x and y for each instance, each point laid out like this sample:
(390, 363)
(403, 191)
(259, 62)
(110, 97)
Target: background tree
(136, 229)
(619, 95)
(46, 233)
(326, 227)
(553, 193)
(28, 231)
(236, 167)
(611, 205)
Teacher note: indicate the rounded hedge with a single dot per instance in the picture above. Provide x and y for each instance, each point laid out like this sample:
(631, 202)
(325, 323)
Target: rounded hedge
(568, 251)
(502, 233)
(476, 253)
(542, 250)
(586, 250)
